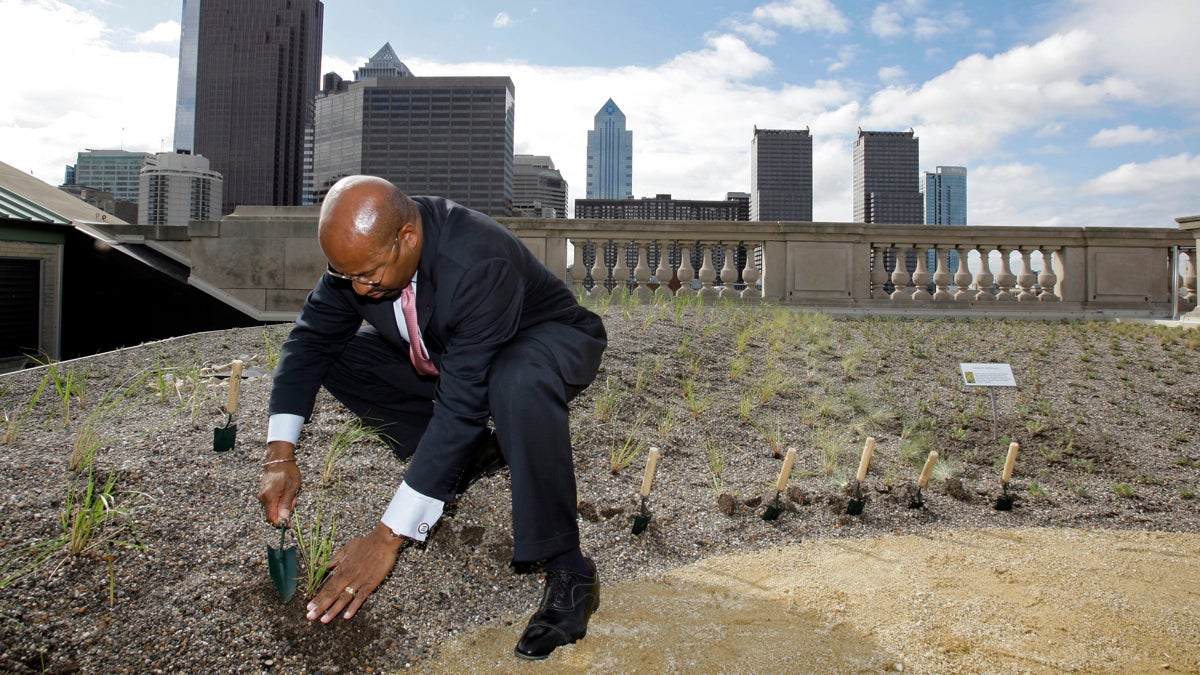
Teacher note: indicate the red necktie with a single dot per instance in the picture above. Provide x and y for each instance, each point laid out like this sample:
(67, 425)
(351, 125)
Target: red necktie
(416, 350)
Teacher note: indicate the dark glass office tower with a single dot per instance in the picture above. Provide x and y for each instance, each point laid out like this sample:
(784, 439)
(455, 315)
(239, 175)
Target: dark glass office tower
(446, 136)
(257, 70)
(887, 178)
(781, 175)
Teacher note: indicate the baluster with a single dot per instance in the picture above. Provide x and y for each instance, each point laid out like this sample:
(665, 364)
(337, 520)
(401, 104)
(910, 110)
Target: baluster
(879, 275)
(600, 271)
(962, 278)
(728, 272)
(942, 277)
(663, 272)
(577, 272)
(1005, 278)
(1048, 280)
(750, 275)
(920, 277)
(641, 273)
(900, 277)
(1189, 281)
(984, 279)
(686, 273)
(708, 274)
(1026, 278)
(620, 271)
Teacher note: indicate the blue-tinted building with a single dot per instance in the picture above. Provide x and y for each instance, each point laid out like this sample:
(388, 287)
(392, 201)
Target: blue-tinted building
(946, 196)
(610, 156)
(945, 191)
(185, 88)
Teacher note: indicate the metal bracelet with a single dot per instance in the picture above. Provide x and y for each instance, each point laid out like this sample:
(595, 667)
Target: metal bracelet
(277, 461)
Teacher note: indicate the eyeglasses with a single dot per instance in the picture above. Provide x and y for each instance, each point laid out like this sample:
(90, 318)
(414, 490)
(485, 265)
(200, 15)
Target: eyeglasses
(363, 281)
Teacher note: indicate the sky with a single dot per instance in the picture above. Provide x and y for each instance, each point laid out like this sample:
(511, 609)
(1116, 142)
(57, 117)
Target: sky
(1065, 112)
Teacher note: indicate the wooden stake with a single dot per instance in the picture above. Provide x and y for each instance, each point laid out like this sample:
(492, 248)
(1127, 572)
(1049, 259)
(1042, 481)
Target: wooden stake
(865, 462)
(928, 470)
(235, 386)
(786, 471)
(1013, 449)
(648, 477)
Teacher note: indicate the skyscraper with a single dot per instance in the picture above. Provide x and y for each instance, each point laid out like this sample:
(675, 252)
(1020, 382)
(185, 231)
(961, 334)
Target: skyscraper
(887, 178)
(114, 171)
(257, 70)
(781, 175)
(185, 87)
(610, 156)
(538, 186)
(177, 188)
(445, 136)
(946, 196)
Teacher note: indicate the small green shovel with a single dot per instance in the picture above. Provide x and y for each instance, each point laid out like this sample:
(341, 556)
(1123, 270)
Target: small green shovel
(282, 563)
(225, 437)
(640, 522)
(776, 508)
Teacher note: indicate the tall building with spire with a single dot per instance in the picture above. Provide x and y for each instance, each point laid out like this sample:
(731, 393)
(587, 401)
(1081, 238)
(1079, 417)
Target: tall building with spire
(257, 69)
(445, 136)
(610, 155)
(887, 178)
(385, 63)
(781, 176)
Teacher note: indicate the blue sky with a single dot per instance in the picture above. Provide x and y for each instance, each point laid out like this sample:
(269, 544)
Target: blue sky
(1066, 112)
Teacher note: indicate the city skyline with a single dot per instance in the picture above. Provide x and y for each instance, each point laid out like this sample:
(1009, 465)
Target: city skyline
(1066, 113)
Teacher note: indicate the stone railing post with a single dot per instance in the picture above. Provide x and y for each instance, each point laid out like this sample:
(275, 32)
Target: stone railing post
(577, 273)
(920, 276)
(1005, 279)
(750, 275)
(620, 271)
(708, 274)
(1048, 280)
(686, 274)
(962, 278)
(664, 272)
(729, 273)
(984, 278)
(600, 270)
(1026, 279)
(900, 276)
(942, 277)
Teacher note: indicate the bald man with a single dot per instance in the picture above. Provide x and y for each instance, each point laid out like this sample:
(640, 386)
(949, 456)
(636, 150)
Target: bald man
(431, 320)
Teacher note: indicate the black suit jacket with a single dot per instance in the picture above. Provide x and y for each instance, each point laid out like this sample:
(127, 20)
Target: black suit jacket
(478, 287)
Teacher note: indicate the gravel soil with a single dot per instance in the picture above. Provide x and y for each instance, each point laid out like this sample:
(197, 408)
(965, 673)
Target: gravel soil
(1098, 553)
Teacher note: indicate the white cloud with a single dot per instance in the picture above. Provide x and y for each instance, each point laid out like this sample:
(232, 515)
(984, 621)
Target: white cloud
(892, 74)
(846, 55)
(165, 33)
(929, 27)
(502, 20)
(1124, 135)
(43, 124)
(1152, 42)
(755, 32)
(969, 110)
(1158, 177)
(886, 22)
(804, 15)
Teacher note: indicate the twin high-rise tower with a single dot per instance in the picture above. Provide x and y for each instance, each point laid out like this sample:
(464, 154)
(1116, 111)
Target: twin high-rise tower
(248, 72)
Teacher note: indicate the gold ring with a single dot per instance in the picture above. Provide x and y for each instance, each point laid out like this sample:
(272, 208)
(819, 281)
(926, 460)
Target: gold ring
(351, 591)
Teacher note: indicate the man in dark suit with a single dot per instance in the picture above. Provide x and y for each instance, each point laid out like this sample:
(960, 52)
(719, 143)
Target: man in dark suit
(462, 323)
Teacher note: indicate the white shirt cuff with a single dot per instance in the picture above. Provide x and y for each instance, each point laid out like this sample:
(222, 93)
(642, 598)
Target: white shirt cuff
(284, 427)
(411, 513)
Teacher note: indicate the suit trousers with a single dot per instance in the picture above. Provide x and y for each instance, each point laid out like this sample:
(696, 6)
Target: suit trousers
(528, 401)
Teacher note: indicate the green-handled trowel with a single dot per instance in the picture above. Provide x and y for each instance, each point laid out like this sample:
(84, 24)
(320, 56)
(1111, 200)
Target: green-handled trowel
(283, 565)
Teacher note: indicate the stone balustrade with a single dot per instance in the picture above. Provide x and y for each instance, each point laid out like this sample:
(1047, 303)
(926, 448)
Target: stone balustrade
(266, 259)
(1135, 272)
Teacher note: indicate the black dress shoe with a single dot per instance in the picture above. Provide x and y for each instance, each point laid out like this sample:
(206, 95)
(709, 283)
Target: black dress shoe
(567, 603)
(485, 460)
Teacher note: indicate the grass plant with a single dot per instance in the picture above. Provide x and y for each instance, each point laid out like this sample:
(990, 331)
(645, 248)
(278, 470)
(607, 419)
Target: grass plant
(348, 434)
(316, 543)
(625, 453)
(13, 420)
(91, 519)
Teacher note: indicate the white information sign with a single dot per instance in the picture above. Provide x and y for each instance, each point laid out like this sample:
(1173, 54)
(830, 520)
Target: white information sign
(988, 374)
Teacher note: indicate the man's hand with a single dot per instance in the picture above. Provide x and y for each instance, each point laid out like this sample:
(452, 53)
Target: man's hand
(280, 483)
(361, 565)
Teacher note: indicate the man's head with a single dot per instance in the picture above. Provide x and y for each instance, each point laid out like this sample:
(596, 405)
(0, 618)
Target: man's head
(371, 232)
